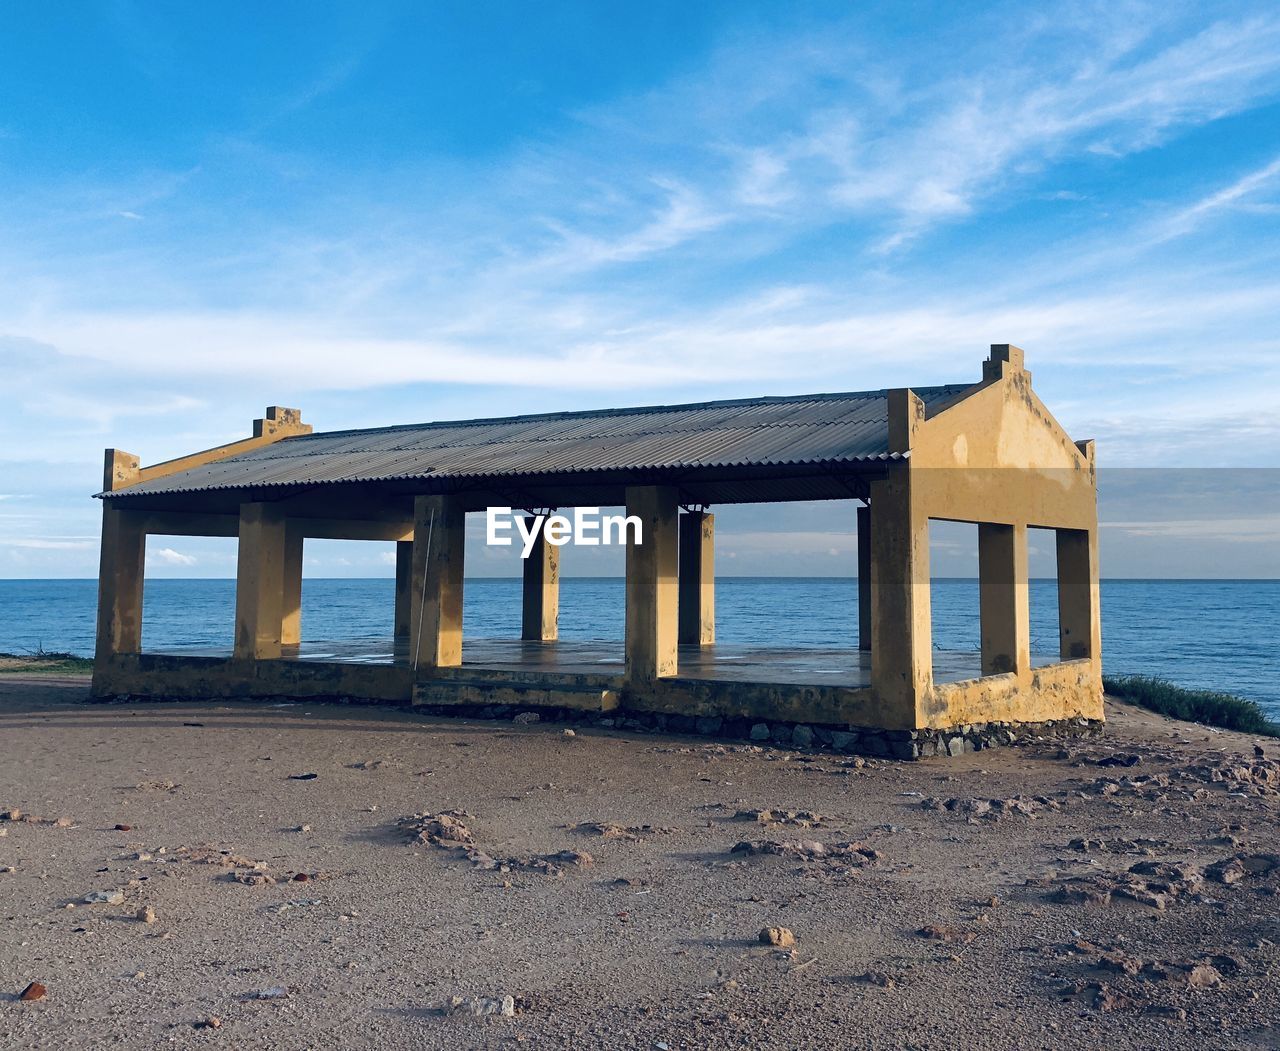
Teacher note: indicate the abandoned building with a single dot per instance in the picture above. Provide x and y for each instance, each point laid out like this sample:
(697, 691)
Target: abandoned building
(987, 453)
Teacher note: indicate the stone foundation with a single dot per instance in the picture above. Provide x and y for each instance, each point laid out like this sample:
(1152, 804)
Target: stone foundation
(848, 740)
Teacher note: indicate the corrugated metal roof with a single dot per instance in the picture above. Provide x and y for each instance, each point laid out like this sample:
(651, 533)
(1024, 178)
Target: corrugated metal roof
(764, 432)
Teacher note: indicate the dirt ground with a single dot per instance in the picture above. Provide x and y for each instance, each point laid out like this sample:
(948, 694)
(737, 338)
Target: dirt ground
(1119, 893)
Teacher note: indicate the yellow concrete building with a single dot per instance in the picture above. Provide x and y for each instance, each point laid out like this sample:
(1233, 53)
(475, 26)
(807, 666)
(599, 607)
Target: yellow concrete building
(987, 452)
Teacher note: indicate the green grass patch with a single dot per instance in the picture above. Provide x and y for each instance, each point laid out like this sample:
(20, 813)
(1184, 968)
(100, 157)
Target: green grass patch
(1224, 710)
(45, 662)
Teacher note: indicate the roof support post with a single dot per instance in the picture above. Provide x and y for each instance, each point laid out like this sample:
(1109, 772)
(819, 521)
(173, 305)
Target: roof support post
(120, 574)
(260, 582)
(697, 578)
(652, 584)
(291, 595)
(540, 612)
(864, 578)
(404, 589)
(439, 543)
(1079, 617)
(901, 634)
(1005, 610)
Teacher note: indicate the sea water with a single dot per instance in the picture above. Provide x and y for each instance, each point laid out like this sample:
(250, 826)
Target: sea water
(1211, 634)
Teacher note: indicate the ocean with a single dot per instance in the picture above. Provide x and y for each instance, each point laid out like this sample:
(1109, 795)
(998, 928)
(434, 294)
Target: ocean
(1212, 634)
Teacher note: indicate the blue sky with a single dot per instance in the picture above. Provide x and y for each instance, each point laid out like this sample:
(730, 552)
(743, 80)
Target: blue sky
(400, 212)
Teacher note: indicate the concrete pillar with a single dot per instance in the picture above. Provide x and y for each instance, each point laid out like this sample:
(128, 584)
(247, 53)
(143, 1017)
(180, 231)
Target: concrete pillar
(260, 582)
(540, 617)
(653, 571)
(439, 524)
(1079, 605)
(120, 574)
(1003, 587)
(291, 596)
(901, 633)
(404, 589)
(697, 579)
(864, 578)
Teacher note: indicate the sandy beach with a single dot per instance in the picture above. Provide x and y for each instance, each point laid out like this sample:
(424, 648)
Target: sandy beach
(325, 876)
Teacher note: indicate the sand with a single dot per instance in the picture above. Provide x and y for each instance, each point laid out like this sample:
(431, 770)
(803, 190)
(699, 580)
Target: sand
(592, 880)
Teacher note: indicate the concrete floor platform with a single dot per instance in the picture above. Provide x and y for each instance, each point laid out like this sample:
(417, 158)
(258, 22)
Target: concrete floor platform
(802, 666)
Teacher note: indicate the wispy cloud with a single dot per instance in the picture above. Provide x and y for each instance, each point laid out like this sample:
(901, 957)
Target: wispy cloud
(797, 211)
(50, 543)
(1187, 219)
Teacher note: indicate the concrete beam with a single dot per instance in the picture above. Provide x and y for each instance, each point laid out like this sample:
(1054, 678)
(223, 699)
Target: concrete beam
(697, 579)
(120, 575)
(1004, 599)
(260, 574)
(354, 529)
(652, 584)
(439, 544)
(865, 618)
(189, 523)
(540, 611)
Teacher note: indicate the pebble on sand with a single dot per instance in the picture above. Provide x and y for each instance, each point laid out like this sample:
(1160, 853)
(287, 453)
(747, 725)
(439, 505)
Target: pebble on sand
(34, 991)
(782, 937)
(482, 1006)
(146, 914)
(104, 897)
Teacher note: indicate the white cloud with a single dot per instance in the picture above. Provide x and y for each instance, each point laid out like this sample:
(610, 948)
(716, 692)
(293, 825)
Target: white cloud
(49, 543)
(167, 556)
(1246, 530)
(1188, 219)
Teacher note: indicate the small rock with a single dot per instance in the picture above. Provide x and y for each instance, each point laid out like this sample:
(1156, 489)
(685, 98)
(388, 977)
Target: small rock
(935, 932)
(760, 732)
(275, 992)
(212, 1022)
(63, 822)
(1179, 1014)
(527, 718)
(482, 1006)
(7, 868)
(252, 879)
(1204, 976)
(303, 777)
(779, 936)
(123, 828)
(569, 733)
(104, 897)
(303, 828)
(34, 991)
(146, 914)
